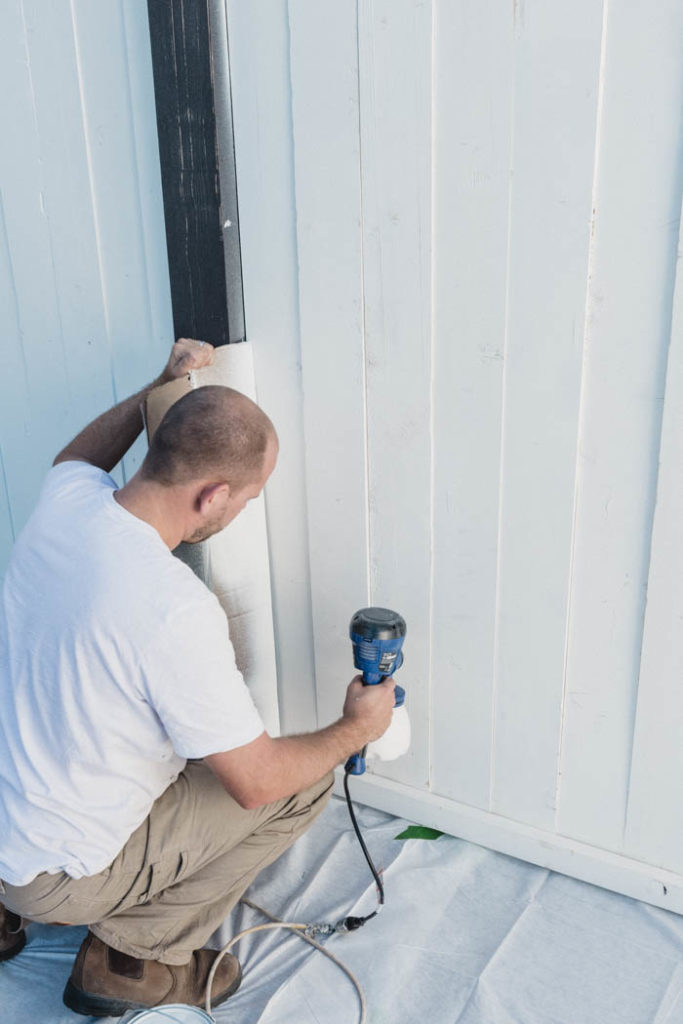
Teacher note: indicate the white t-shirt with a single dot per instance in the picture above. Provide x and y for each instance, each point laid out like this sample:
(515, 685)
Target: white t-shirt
(115, 666)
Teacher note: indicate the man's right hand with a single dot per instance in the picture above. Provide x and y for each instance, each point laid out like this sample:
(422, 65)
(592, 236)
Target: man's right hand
(370, 707)
(270, 768)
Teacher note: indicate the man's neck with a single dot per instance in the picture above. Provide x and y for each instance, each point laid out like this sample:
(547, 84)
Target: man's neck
(145, 501)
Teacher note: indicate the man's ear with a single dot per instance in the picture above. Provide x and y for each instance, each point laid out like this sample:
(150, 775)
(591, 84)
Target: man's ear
(209, 494)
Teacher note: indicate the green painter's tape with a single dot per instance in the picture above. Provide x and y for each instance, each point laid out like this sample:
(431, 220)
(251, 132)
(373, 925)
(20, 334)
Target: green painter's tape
(419, 832)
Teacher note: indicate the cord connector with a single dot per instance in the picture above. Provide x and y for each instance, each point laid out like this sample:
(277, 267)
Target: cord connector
(352, 923)
(321, 929)
(347, 924)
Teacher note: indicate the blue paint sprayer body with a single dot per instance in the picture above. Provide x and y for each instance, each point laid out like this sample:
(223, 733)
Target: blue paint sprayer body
(377, 636)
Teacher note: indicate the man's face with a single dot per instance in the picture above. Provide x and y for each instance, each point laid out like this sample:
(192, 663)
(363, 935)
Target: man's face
(228, 504)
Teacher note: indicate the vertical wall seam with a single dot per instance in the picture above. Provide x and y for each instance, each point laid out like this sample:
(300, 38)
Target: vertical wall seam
(582, 399)
(10, 516)
(93, 202)
(432, 395)
(138, 197)
(503, 389)
(364, 374)
(297, 327)
(53, 266)
(302, 394)
(678, 274)
(676, 283)
(134, 147)
(15, 296)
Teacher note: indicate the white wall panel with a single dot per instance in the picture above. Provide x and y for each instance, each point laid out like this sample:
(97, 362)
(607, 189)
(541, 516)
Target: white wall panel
(259, 57)
(324, 62)
(14, 397)
(33, 416)
(487, 199)
(635, 224)
(67, 202)
(395, 42)
(555, 98)
(654, 828)
(132, 264)
(6, 524)
(473, 57)
(84, 277)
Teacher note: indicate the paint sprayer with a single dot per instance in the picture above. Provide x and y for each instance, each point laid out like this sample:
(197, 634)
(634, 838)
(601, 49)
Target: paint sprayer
(377, 636)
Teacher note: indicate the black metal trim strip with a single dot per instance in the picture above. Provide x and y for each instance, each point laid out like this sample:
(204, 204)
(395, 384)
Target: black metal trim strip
(188, 149)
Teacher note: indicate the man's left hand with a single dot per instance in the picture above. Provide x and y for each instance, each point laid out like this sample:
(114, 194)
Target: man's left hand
(187, 354)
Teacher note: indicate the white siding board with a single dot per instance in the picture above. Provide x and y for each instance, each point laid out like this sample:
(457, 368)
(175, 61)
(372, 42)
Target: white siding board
(637, 208)
(13, 396)
(472, 111)
(155, 348)
(6, 524)
(259, 57)
(324, 61)
(14, 393)
(654, 828)
(30, 421)
(395, 60)
(107, 106)
(67, 204)
(557, 61)
(64, 132)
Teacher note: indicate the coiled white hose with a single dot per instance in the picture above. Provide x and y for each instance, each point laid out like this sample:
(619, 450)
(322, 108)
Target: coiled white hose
(298, 929)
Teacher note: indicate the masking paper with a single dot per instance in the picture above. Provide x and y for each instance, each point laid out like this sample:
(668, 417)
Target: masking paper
(234, 562)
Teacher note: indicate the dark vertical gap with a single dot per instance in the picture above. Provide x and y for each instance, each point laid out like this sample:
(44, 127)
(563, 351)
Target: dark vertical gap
(188, 150)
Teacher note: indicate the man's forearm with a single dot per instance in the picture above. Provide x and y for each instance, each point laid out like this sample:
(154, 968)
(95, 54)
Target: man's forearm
(106, 440)
(299, 761)
(270, 769)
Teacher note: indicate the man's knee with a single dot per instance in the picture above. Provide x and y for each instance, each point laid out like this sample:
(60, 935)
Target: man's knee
(310, 802)
(320, 792)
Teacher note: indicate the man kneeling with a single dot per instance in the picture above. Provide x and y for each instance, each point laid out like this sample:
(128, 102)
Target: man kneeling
(139, 792)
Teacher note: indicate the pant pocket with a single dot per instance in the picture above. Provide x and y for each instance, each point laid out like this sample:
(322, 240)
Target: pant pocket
(148, 887)
(160, 876)
(50, 909)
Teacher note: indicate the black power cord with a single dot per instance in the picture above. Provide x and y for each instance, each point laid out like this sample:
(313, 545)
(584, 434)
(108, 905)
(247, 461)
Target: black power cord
(351, 923)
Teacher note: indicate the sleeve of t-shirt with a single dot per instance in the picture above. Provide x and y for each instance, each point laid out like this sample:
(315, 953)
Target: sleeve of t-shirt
(192, 682)
(74, 473)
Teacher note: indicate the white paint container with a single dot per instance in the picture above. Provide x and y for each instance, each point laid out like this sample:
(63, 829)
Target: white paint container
(174, 1013)
(395, 742)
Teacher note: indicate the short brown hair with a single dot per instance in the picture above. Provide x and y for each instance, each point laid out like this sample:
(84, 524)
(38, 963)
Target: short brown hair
(211, 430)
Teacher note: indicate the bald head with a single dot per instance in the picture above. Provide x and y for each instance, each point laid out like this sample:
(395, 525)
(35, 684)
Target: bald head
(213, 431)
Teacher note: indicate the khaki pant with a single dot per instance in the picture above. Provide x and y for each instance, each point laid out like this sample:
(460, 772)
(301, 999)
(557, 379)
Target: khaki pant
(179, 874)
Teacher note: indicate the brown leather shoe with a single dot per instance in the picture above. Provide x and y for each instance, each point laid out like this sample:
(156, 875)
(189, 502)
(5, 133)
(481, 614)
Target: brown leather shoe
(106, 983)
(12, 934)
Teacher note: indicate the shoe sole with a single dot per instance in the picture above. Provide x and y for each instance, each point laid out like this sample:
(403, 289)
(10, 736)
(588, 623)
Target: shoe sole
(103, 1006)
(14, 951)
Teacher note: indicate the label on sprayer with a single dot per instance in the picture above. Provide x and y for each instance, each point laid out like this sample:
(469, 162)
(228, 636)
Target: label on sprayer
(386, 662)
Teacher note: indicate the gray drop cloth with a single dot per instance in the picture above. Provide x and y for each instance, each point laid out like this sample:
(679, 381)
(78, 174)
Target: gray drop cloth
(467, 937)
